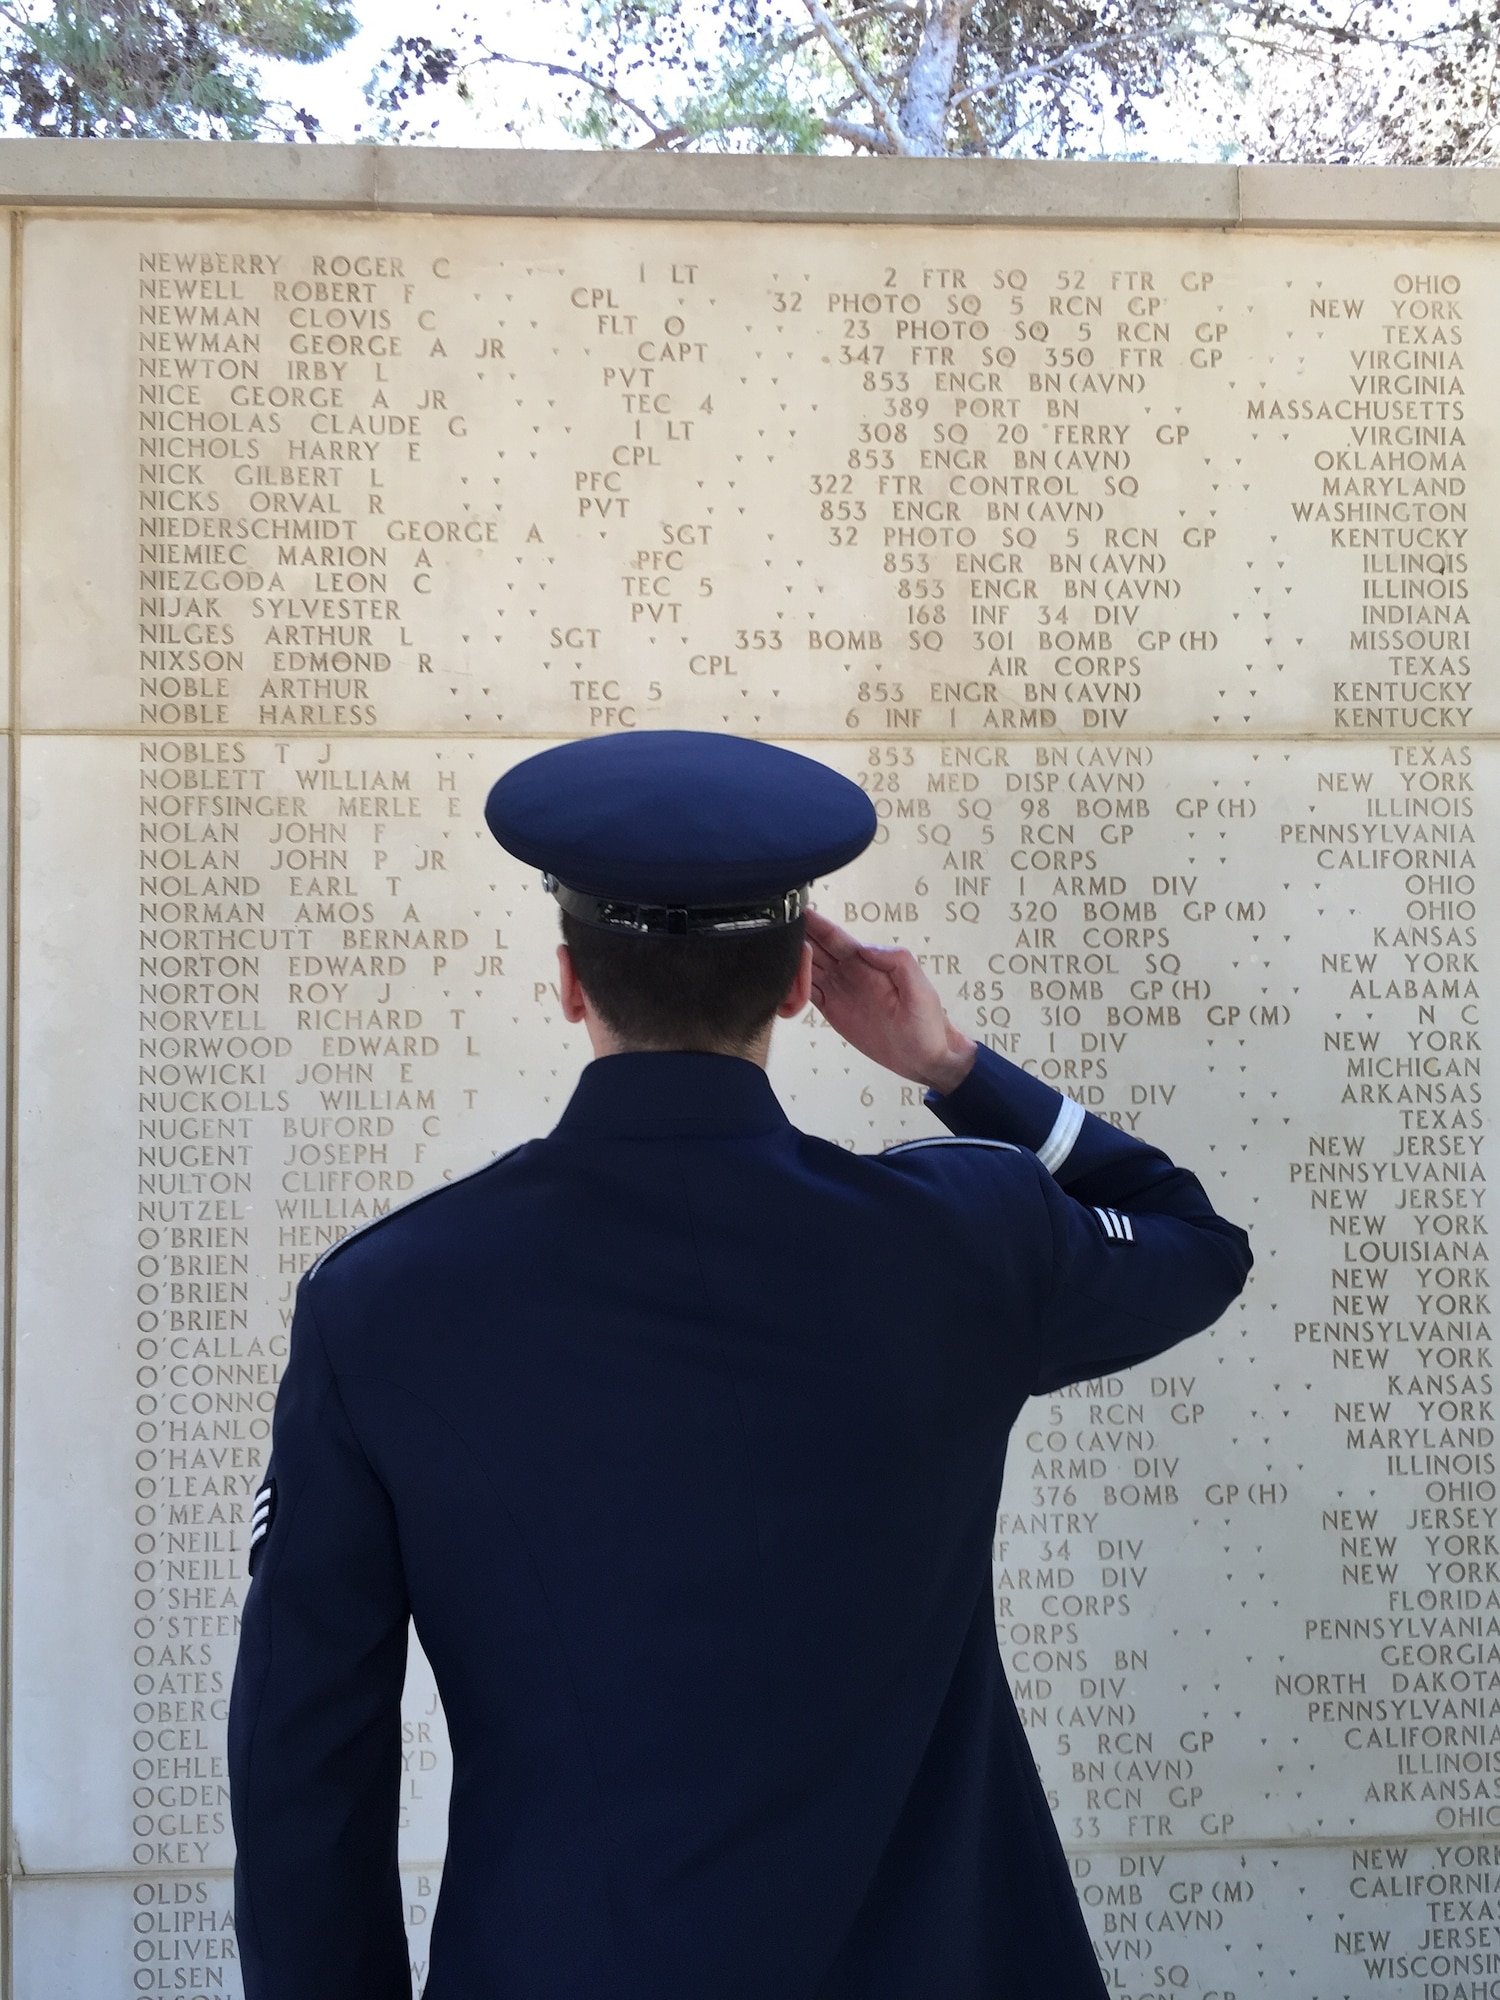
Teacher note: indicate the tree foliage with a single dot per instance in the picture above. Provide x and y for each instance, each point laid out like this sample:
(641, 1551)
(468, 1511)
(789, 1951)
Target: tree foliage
(1361, 81)
(1393, 80)
(1396, 87)
(160, 69)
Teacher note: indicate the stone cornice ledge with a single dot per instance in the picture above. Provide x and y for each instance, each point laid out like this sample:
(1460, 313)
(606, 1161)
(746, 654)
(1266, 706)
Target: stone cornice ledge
(90, 173)
(1369, 198)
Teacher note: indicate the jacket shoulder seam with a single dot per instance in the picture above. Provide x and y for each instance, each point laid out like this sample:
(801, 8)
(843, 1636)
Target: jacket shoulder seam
(391, 1215)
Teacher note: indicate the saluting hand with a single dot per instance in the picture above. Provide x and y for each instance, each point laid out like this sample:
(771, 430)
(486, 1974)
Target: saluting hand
(880, 1000)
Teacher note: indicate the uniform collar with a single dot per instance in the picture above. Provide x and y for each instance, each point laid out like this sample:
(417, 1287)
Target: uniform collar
(680, 1093)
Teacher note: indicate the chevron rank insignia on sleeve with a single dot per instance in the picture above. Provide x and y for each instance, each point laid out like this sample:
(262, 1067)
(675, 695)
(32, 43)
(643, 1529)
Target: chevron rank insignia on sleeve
(261, 1516)
(1115, 1226)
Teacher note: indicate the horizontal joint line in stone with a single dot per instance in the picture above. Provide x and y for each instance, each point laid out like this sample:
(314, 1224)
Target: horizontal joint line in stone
(142, 732)
(1268, 1844)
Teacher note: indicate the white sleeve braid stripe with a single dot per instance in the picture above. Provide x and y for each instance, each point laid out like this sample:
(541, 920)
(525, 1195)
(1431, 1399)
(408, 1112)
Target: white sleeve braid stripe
(1056, 1147)
(912, 1145)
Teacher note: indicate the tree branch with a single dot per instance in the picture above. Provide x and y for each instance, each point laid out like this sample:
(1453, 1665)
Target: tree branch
(857, 135)
(1035, 71)
(881, 11)
(885, 118)
(672, 136)
(660, 134)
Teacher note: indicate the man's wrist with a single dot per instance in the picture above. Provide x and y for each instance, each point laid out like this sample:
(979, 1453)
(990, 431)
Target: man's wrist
(958, 1059)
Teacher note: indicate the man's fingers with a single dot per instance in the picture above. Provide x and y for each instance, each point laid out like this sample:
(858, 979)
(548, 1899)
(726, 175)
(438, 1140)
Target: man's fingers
(910, 977)
(896, 965)
(829, 970)
(825, 935)
(843, 957)
(910, 981)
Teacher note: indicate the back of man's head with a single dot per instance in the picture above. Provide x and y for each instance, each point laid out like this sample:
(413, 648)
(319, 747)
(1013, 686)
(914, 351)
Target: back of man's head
(717, 995)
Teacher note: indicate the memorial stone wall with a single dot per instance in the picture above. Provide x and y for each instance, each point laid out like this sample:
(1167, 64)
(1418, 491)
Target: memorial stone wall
(1131, 539)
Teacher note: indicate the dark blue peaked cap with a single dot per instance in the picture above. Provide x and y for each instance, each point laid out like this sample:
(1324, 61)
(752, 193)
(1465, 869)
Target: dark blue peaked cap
(679, 830)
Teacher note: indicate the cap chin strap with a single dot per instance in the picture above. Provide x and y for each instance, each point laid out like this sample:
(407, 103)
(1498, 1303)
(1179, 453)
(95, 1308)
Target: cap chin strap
(609, 913)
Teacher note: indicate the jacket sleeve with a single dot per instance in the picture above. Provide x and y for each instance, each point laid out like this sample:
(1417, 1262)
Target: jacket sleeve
(315, 1718)
(1140, 1257)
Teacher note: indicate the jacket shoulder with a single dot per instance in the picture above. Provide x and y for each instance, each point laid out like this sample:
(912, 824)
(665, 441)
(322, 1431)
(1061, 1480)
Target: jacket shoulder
(425, 1202)
(979, 1180)
(906, 1146)
(943, 1163)
(959, 1162)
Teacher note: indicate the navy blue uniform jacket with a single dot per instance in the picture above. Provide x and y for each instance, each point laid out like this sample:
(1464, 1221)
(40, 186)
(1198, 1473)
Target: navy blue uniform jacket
(679, 1434)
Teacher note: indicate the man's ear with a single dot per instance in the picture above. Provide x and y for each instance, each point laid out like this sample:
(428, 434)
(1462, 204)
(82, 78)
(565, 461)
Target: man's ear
(799, 993)
(569, 986)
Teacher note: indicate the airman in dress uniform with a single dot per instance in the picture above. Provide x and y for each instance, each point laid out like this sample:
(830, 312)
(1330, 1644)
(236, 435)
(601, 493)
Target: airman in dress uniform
(679, 1435)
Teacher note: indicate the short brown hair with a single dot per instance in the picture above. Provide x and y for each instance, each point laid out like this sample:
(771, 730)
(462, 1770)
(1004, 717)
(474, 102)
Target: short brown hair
(701, 993)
